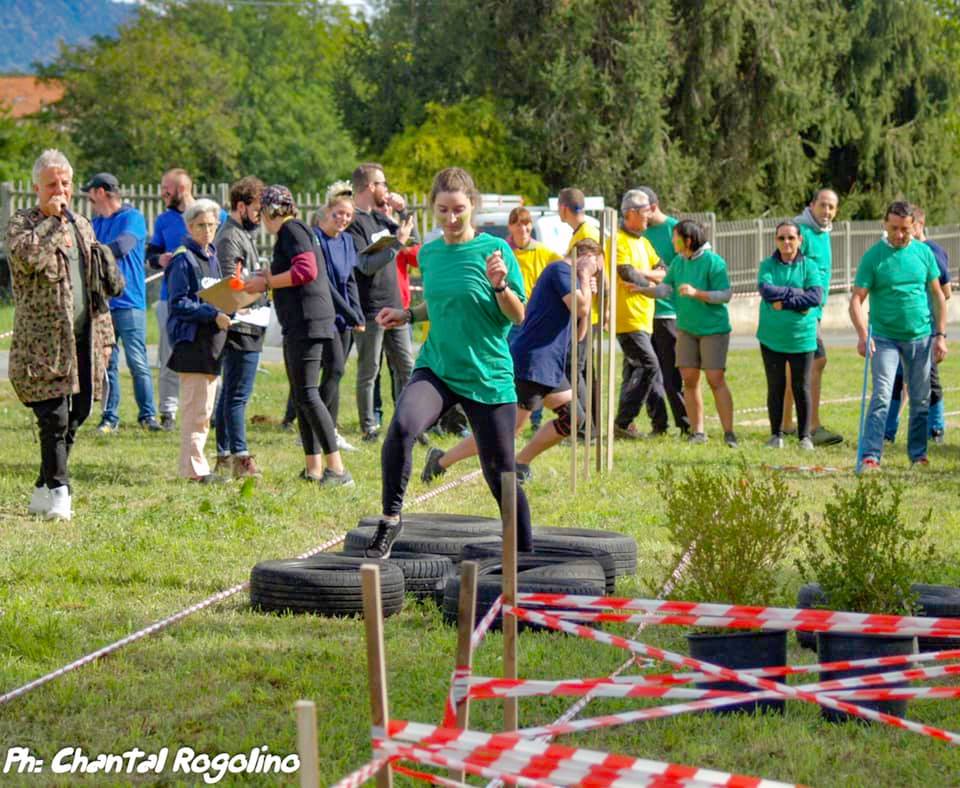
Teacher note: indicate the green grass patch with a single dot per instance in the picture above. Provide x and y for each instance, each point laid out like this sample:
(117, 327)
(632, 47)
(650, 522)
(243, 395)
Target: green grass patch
(144, 544)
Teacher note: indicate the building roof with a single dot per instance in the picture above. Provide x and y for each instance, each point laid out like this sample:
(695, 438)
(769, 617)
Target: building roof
(25, 95)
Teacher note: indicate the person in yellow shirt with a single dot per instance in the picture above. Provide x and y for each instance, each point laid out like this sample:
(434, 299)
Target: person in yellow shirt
(642, 377)
(532, 255)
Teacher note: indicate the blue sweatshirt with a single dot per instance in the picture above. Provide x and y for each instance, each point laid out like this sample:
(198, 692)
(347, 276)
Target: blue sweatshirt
(183, 277)
(125, 232)
(169, 232)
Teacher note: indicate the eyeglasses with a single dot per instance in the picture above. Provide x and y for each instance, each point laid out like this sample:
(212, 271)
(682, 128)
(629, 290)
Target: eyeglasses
(205, 225)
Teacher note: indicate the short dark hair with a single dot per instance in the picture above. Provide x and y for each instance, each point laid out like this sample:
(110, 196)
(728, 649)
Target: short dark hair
(455, 179)
(651, 195)
(787, 223)
(691, 232)
(571, 198)
(363, 175)
(520, 215)
(900, 208)
(246, 191)
(821, 190)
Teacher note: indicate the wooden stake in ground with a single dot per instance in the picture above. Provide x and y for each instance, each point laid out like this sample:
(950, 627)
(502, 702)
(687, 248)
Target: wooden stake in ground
(306, 712)
(598, 341)
(612, 323)
(574, 371)
(466, 615)
(508, 509)
(376, 659)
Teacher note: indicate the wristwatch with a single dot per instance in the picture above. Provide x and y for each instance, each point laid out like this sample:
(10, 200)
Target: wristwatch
(939, 334)
(411, 318)
(499, 289)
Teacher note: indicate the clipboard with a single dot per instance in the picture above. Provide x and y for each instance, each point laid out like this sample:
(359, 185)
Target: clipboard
(382, 240)
(225, 298)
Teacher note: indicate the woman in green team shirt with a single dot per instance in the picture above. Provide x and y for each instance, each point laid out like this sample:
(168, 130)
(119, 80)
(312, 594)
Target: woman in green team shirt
(789, 285)
(473, 292)
(699, 277)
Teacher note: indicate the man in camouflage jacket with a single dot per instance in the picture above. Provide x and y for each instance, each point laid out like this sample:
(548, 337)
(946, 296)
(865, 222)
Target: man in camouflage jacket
(63, 334)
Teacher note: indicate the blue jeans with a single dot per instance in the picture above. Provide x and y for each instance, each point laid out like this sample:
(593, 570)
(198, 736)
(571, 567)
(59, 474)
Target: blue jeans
(915, 357)
(130, 326)
(239, 372)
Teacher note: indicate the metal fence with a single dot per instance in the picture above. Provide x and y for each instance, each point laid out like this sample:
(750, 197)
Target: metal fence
(742, 243)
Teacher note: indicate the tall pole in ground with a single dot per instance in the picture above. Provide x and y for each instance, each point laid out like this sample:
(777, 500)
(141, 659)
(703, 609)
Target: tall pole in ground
(598, 341)
(508, 510)
(612, 328)
(306, 712)
(376, 660)
(574, 372)
(466, 615)
(863, 399)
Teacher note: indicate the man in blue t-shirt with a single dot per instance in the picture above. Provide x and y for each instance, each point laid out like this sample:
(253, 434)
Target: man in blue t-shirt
(540, 349)
(169, 230)
(122, 227)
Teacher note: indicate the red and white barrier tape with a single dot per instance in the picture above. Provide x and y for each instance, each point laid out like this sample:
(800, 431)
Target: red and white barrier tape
(157, 626)
(813, 619)
(520, 759)
(461, 671)
(357, 778)
(726, 674)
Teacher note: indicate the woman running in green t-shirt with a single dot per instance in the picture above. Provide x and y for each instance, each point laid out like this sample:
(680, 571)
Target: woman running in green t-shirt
(473, 292)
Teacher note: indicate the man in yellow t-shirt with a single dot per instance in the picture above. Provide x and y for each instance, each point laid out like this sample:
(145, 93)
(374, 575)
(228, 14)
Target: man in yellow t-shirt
(532, 255)
(642, 378)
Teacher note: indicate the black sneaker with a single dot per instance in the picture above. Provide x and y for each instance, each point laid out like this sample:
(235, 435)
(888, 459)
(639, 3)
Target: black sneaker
(151, 425)
(332, 479)
(524, 473)
(370, 436)
(432, 468)
(383, 539)
(167, 422)
(309, 477)
(730, 438)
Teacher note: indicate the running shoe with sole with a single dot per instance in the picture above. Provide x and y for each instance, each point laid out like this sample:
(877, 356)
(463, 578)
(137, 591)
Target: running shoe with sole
(823, 437)
(432, 468)
(775, 442)
(382, 542)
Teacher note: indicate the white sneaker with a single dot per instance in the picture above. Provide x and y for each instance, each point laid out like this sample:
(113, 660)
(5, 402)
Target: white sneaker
(40, 500)
(60, 504)
(343, 444)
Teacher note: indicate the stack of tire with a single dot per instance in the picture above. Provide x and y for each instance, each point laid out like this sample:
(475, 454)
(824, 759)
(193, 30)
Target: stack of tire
(935, 601)
(424, 562)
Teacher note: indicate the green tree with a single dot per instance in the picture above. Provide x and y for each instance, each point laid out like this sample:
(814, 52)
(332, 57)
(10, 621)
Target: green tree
(470, 135)
(21, 141)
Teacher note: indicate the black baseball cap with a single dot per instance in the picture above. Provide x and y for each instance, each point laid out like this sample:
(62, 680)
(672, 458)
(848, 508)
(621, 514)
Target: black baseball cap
(102, 180)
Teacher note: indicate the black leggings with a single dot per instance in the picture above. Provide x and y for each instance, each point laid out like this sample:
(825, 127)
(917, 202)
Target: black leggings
(423, 400)
(304, 359)
(775, 365)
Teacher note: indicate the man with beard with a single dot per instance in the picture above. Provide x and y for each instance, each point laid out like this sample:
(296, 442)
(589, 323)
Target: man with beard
(901, 278)
(176, 189)
(378, 288)
(815, 224)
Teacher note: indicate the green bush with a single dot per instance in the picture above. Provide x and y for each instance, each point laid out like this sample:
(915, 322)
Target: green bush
(737, 526)
(863, 554)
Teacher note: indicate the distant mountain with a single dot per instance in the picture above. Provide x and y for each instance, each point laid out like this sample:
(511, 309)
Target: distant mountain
(30, 30)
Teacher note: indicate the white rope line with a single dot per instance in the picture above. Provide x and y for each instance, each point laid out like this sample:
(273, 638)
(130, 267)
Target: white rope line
(220, 596)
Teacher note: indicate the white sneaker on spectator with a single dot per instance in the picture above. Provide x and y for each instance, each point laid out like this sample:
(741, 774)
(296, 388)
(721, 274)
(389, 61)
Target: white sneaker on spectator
(60, 504)
(40, 500)
(343, 444)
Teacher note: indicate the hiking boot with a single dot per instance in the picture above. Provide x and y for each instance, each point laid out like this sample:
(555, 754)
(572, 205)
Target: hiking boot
(332, 479)
(630, 432)
(106, 428)
(823, 437)
(697, 438)
(40, 500)
(382, 542)
(60, 504)
(432, 468)
(151, 425)
(244, 466)
(168, 422)
(775, 442)
(223, 465)
(730, 438)
(524, 473)
(806, 444)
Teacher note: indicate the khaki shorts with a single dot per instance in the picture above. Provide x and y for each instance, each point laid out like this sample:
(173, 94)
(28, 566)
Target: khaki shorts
(696, 352)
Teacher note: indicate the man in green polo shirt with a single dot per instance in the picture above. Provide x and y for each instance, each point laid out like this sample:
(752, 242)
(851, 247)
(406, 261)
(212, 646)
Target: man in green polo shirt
(897, 273)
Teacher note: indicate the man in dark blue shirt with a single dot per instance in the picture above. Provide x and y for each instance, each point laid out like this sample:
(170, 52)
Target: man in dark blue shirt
(122, 227)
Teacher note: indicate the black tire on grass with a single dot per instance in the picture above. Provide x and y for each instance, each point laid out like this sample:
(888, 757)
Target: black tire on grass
(489, 588)
(424, 576)
(810, 595)
(462, 523)
(478, 552)
(324, 584)
(623, 548)
(420, 540)
(937, 602)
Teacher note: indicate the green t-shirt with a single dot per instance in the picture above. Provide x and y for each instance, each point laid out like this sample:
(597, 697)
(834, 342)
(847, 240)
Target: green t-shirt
(467, 344)
(897, 281)
(815, 245)
(661, 238)
(787, 330)
(705, 271)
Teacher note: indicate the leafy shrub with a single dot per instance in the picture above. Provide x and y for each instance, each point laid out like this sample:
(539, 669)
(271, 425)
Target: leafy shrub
(738, 526)
(863, 554)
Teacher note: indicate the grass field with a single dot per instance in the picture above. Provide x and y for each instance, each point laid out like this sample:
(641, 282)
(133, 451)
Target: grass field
(144, 544)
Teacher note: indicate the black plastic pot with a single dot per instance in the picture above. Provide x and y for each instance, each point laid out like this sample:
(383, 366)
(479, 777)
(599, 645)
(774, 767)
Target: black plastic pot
(741, 650)
(838, 646)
